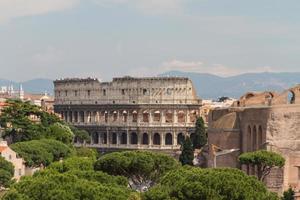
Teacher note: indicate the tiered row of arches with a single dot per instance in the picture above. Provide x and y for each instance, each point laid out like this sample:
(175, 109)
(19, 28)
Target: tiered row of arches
(133, 138)
(134, 116)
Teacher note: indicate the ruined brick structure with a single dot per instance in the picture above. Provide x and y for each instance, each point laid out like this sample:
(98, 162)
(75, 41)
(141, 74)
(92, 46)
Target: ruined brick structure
(266, 120)
(130, 113)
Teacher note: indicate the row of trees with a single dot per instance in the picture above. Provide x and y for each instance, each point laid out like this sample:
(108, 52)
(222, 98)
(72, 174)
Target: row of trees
(160, 177)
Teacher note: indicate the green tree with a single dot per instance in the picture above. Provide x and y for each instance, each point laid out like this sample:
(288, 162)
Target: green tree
(187, 152)
(142, 168)
(45, 151)
(57, 186)
(6, 172)
(208, 184)
(288, 195)
(80, 134)
(199, 138)
(87, 152)
(61, 132)
(265, 161)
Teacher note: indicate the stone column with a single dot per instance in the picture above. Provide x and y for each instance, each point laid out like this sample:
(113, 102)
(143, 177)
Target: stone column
(163, 116)
(174, 139)
(118, 139)
(188, 118)
(150, 117)
(175, 117)
(162, 139)
(150, 139)
(128, 138)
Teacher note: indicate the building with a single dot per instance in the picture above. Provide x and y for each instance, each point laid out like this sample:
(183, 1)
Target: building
(265, 120)
(11, 156)
(130, 113)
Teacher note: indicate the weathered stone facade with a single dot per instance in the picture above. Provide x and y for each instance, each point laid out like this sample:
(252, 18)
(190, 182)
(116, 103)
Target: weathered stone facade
(130, 113)
(265, 120)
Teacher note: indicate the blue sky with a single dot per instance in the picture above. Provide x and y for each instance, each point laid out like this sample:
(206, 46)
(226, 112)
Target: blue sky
(108, 38)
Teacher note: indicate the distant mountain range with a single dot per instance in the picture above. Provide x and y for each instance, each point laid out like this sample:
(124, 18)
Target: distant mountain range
(212, 86)
(208, 86)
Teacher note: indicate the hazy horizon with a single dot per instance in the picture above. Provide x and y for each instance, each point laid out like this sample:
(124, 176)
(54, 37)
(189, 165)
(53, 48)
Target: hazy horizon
(110, 38)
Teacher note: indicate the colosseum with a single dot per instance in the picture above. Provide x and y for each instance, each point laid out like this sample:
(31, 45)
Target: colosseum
(130, 113)
(260, 120)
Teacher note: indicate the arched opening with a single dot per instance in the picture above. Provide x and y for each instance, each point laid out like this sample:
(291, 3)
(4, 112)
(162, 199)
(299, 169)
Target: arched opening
(145, 139)
(181, 117)
(180, 138)
(156, 116)
(168, 139)
(254, 139)
(146, 116)
(156, 139)
(124, 138)
(115, 116)
(125, 116)
(169, 117)
(193, 116)
(106, 116)
(114, 138)
(260, 137)
(95, 138)
(291, 97)
(249, 137)
(70, 116)
(104, 138)
(134, 116)
(75, 116)
(81, 116)
(133, 138)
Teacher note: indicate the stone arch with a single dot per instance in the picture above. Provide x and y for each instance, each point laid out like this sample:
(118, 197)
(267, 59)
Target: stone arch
(254, 139)
(124, 138)
(125, 116)
(168, 139)
(75, 116)
(134, 116)
(81, 116)
(156, 139)
(260, 137)
(291, 97)
(145, 139)
(114, 138)
(180, 138)
(157, 116)
(95, 138)
(115, 116)
(193, 116)
(104, 138)
(249, 137)
(169, 116)
(181, 117)
(146, 116)
(133, 138)
(106, 116)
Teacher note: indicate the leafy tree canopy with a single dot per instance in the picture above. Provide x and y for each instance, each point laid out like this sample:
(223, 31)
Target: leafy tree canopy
(208, 184)
(6, 172)
(45, 151)
(87, 152)
(56, 186)
(264, 160)
(141, 167)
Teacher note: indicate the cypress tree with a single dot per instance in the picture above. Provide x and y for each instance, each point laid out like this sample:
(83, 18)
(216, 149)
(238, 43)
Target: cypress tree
(200, 137)
(187, 152)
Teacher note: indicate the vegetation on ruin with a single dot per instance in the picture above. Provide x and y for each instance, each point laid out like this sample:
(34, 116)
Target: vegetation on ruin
(264, 160)
(6, 172)
(199, 138)
(208, 184)
(288, 195)
(142, 168)
(41, 152)
(187, 152)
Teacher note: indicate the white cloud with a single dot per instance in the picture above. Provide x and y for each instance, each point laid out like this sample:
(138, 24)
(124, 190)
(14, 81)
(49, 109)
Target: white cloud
(10, 9)
(149, 7)
(197, 67)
